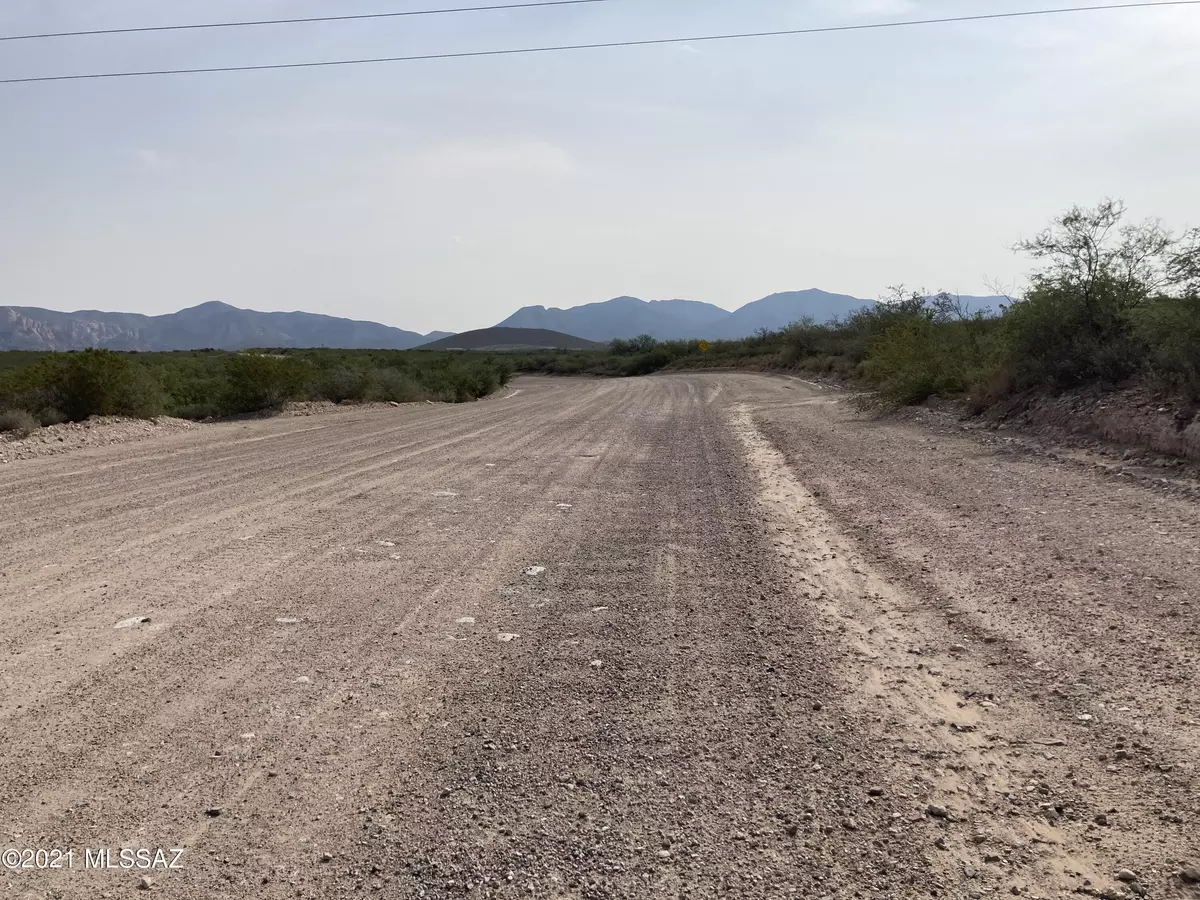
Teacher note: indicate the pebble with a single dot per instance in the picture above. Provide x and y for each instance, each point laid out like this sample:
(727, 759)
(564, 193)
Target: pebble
(1127, 875)
(326, 857)
(1190, 875)
(938, 812)
(818, 706)
(144, 883)
(213, 811)
(1101, 819)
(958, 648)
(505, 636)
(596, 663)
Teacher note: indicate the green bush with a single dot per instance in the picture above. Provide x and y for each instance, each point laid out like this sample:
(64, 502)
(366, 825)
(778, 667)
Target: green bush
(907, 362)
(1169, 329)
(394, 386)
(645, 363)
(343, 383)
(18, 423)
(103, 383)
(255, 382)
(1062, 335)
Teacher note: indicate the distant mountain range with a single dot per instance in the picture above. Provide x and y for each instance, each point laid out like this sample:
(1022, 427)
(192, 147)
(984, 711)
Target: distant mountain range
(623, 317)
(216, 325)
(225, 327)
(627, 317)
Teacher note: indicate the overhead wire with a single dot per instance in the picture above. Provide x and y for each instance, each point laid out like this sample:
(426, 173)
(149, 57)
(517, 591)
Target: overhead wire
(513, 51)
(143, 29)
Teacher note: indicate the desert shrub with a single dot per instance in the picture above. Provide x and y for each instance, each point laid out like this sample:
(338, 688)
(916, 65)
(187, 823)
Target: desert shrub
(1064, 334)
(192, 380)
(394, 386)
(483, 381)
(1169, 329)
(103, 383)
(908, 363)
(632, 346)
(27, 387)
(645, 363)
(18, 423)
(254, 382)
(50, 416)
(790, 355)
(1079, 322)
(343, 383)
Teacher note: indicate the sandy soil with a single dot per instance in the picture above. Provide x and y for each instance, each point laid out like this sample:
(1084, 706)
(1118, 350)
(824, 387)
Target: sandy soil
(687, 636)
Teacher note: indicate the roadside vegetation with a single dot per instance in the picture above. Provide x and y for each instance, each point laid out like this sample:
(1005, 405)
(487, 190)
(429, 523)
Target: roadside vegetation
(48, 388)
(1111, 302)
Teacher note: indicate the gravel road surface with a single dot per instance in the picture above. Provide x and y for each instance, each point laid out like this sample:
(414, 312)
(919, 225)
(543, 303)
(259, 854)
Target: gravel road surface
(681, 636)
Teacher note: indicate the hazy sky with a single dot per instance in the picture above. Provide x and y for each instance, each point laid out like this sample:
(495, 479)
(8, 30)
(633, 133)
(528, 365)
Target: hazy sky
(445, 194)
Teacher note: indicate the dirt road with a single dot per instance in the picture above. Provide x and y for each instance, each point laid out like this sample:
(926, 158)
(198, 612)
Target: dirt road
(682, 636)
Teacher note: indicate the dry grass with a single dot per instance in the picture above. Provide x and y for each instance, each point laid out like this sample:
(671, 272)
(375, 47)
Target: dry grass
(18, 423)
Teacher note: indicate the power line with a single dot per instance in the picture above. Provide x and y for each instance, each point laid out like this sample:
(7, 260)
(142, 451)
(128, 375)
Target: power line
(608, 44)
(349, 18)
